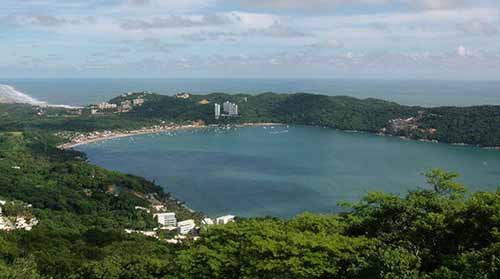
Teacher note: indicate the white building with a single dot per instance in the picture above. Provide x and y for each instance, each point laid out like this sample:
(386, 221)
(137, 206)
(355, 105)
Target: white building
(186, 226)
(25, 224)
(159, 207)
(106, 106)
(183, 95)
(217, 111)
(1, 204)
(166, 219)
(224, 220)
(207, 221)
(138, 102)
(230, 109)
(5, 224)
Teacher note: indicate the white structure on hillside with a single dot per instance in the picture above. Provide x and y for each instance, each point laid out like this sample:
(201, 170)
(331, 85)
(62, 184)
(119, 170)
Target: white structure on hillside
(25, 224)
(106, 106)
(224, 219)
(1, 204)
(186, 226)
(183, 95)
(217, 111)
(159, 207)
(5, 224)
(230, 109)
(207, 221)
(138, 102)
(166, 219)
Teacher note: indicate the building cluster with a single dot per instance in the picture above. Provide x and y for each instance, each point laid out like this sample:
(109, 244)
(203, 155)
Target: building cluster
(20, 222)
(167, 222)
(403, 124)
(223, 220)
(227, 109)
(409, 125)
(123, 107)
(105, 106)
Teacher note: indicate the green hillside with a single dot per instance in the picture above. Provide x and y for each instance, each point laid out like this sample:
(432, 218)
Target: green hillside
(439, 231)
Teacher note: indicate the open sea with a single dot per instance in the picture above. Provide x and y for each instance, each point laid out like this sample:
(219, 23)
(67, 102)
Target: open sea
(280, 171)
(411, 92)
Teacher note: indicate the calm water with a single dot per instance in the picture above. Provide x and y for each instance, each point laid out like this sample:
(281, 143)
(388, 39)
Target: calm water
(426, 93)
(257, 171)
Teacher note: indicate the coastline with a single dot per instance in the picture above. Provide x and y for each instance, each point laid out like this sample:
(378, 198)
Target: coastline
(108, 135)
(94, 137)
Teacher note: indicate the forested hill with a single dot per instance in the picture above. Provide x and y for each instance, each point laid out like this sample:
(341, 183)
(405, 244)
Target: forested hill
(479, 125)
(438, 231)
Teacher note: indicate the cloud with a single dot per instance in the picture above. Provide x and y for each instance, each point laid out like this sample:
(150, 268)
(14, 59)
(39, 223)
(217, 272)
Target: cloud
(176, 21)
(278, 30)
(33, 19)
(212, 36)
(43, 20)
(438, 4)
(156, 45)
(478, 27)
(156, 6)
(323, 6)
(309, 5)
(139, 2)
(327, 44)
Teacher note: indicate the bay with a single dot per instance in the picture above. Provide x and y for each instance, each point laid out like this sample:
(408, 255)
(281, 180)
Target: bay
(283, 171)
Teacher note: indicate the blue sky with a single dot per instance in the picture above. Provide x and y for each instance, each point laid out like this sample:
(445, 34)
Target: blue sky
(409, 39)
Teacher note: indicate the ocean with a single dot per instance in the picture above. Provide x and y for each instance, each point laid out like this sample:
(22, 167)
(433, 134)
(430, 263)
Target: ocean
(78, 92)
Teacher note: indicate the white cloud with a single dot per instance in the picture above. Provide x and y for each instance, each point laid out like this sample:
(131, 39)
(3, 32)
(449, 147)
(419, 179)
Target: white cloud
(176, 21)
(323, 6)
(480, 27)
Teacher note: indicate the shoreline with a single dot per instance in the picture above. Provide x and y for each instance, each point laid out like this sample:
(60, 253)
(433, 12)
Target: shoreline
(108, 135)
(94, 137)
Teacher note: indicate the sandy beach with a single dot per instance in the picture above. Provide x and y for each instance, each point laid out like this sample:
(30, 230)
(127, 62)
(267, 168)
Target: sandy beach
(107, 135)
(93, 137)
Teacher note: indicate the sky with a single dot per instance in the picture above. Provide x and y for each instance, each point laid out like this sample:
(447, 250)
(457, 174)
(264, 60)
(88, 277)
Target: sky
(388, 39)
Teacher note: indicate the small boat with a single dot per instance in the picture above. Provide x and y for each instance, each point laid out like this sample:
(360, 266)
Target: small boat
(279, 132)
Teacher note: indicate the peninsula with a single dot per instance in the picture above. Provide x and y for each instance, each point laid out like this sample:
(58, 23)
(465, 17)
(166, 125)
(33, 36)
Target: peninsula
(145, 112)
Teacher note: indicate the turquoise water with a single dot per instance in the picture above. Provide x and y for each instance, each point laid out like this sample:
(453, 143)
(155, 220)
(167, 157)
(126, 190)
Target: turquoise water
(286, 170)
(409, 92)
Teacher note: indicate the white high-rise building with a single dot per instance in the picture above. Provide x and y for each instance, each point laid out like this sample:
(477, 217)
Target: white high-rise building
(217, 111)
(230, 109)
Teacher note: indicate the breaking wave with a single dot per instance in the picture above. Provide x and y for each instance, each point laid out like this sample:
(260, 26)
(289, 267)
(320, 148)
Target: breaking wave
(10, 95)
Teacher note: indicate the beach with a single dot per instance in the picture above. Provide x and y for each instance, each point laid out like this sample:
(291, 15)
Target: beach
(98, 136)
(92, 137)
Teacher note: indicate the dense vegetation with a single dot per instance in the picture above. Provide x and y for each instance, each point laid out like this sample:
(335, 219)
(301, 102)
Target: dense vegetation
(438, 231)
(478, 125)
(82, 209)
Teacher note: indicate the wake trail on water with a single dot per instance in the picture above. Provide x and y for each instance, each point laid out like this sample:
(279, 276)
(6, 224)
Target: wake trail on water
(9, 95)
